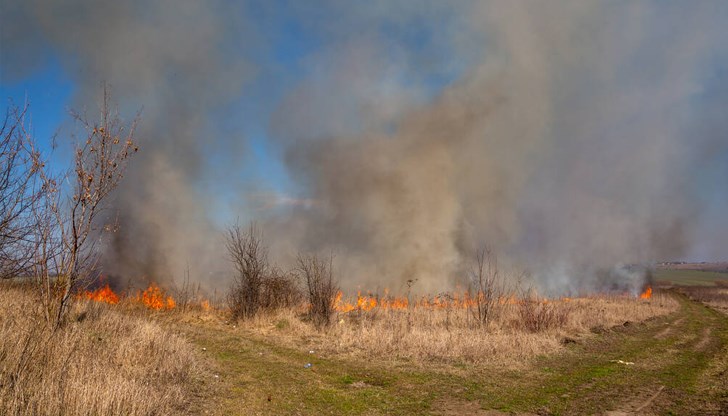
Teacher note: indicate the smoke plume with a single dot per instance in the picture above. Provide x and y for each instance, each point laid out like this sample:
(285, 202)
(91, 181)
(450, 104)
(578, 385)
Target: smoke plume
(569, 136)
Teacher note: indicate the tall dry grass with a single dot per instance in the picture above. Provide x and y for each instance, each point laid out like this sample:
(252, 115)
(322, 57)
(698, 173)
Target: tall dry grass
(456, 334)
(102, 362)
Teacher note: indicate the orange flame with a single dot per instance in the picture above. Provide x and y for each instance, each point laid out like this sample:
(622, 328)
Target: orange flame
(155, 298)
(464, 300)
(647, 293)
(102, 294)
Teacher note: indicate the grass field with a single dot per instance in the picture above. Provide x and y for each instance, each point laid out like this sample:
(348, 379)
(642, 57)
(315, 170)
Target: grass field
(689, 277)
(610, 355)
(678, 362)
(104, 361)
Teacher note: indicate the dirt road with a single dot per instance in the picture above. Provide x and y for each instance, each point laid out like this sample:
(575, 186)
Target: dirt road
(671, 365)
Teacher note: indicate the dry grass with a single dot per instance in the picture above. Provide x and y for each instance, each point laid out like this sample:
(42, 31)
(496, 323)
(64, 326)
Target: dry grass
(117, 359)
(101, 362)
(454, 334)
(714, 296)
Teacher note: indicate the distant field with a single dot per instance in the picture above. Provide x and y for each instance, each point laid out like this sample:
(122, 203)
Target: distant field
(690, 277)
(718, 266)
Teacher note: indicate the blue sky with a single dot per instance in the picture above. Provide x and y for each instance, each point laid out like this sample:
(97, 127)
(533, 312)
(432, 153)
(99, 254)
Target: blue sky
(291, 43)
(281, 57)
(48, 91)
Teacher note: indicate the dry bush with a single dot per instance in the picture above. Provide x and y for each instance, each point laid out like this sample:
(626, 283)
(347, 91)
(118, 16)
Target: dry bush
(101, 363)
(279, 290)
(537, 316)
(250, 259)
(187, 293)
(257, 286)
(322, 288)
(489, 285)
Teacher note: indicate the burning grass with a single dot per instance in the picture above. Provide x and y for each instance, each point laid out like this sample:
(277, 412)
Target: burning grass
(153, 298)
(102, 294)
(101, 362)
(446, 328)
(114, 357)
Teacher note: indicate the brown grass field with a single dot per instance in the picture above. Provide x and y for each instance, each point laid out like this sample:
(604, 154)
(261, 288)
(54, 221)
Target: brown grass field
(444, 334)
(103, 362)
(590, 355)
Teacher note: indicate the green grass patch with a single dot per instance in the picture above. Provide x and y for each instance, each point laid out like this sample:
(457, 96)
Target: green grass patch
(581, 380)
(690, 277)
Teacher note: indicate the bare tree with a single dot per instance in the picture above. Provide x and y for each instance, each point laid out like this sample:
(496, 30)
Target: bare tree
(322, 288)
(20, 190)
(70, 223)
(257, 285)
(250, 258)
(489, 286)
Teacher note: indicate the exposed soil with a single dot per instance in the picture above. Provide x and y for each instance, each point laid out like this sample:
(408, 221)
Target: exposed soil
(669, 329)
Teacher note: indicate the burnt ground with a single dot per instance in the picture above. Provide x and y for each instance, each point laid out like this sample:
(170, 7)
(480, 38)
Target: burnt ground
(680, 367)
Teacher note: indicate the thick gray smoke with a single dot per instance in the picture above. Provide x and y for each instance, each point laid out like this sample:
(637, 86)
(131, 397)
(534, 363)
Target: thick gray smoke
(567, 147)
(170, 59)
(569, 136)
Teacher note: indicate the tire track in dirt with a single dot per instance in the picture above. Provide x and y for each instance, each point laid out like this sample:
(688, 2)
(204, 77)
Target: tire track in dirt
(258, 377)
(670, 329)
(704, 339)
(639, 406)
(671, 359)
(695, 340)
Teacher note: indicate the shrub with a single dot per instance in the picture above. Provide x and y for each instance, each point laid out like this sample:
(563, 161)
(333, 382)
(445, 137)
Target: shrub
(322, 288)
(489, 286)
(279, 290)
(537, 316)
(250, 258)
(257, 286)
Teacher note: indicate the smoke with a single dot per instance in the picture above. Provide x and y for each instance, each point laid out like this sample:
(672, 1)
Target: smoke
(171, 59)
(569, 136)
(567, 147)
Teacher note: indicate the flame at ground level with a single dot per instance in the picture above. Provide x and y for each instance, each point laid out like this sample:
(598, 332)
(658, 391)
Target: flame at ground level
(647, 293)
(102, 294)
(463, 300)
(153, 297)
(443, 301)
